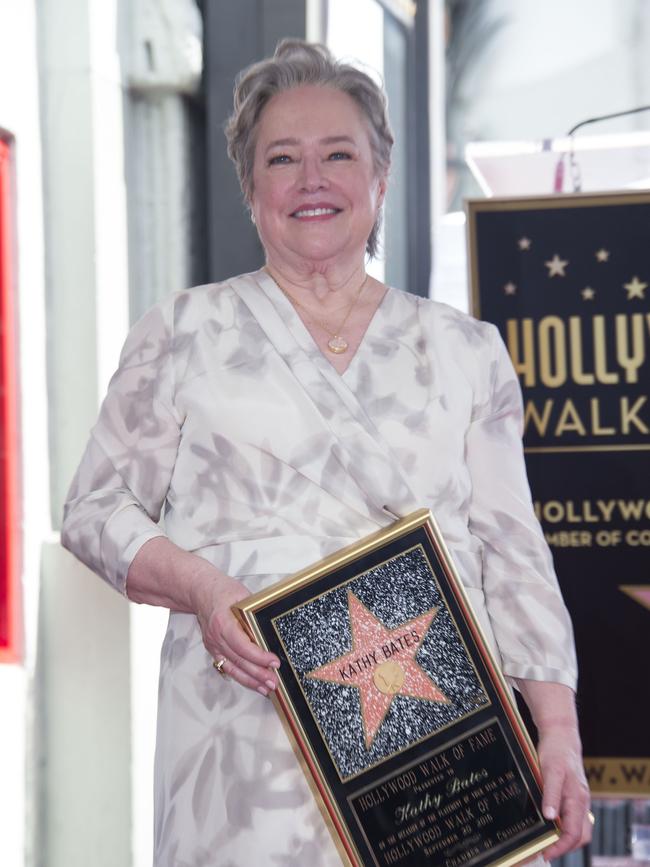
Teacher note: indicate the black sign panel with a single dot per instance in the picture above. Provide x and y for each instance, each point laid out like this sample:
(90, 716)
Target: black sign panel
(567, 281)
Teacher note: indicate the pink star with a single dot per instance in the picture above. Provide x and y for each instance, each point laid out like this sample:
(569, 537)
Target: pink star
(381, 664)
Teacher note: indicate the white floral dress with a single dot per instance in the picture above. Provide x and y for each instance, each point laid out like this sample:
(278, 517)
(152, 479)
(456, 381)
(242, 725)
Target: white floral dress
(225, 418)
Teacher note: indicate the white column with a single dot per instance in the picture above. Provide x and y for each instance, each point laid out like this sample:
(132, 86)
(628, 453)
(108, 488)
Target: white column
(98, 657)
(84, 703)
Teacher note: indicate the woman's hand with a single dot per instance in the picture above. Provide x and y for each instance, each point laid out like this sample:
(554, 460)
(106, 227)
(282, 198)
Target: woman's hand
(226, 640)
(161, 573)
(566, 793)
(565, 790)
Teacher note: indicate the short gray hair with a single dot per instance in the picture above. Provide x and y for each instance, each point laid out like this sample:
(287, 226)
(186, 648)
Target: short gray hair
(296, 63)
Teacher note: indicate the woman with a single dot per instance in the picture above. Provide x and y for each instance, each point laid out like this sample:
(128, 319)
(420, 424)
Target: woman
(281, 415)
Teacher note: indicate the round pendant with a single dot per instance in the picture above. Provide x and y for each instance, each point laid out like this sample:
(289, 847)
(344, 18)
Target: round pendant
(337, 344)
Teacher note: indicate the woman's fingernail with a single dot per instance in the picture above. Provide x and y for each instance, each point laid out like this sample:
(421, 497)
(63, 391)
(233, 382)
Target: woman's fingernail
(262, 691)
(275, 665)
(270, 684)
(550, 813)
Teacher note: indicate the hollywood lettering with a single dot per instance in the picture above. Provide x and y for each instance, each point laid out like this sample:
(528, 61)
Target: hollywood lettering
(591, 370)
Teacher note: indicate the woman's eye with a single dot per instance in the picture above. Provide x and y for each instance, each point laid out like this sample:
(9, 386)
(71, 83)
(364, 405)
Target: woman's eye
(339, 155)
(279, 159)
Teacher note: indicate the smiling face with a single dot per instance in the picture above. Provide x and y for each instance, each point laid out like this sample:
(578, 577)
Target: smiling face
(316, 194)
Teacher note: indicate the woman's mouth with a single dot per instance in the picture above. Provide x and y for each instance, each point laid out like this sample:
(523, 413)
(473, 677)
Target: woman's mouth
(310, 213)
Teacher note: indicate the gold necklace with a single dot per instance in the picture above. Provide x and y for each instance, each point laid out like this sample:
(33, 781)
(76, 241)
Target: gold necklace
(336, 344)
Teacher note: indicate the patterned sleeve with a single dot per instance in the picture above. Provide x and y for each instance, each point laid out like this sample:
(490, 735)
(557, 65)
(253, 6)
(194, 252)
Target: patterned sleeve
(117, 494)
(530, 621)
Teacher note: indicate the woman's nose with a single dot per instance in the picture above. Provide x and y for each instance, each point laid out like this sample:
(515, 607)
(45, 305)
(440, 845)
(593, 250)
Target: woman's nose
(312, 177)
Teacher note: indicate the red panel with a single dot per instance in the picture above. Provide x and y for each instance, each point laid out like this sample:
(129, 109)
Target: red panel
(10, 649)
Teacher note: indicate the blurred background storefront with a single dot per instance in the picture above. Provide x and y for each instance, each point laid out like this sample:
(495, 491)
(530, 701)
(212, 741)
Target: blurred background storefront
(115, 190)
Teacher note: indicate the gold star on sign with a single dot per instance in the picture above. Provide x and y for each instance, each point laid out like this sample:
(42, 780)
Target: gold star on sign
(556, 266)
(381, 664)
(602, 255)
(524, 243)
(510, 288)
(635, 288)
(588, 293)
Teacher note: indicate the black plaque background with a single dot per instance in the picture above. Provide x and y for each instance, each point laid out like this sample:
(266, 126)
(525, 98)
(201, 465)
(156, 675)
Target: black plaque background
(342, 791)
(612, 630)
(498, 761)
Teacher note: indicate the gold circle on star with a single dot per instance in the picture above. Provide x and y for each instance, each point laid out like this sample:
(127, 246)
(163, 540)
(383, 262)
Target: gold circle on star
(388, 677)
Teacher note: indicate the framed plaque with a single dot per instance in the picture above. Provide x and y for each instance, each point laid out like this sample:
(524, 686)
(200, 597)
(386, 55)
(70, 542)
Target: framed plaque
(401, 719)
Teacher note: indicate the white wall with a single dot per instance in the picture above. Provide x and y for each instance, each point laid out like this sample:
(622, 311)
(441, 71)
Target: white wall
(550, 65)
(555, 63)
(19, 116)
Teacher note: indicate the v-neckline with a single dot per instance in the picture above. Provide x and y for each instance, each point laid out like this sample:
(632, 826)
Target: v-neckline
(293, 320)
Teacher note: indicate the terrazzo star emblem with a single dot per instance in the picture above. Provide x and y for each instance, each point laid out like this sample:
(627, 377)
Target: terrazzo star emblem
(381, 664)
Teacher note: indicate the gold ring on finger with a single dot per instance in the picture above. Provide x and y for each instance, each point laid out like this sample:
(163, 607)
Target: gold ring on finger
(219, 666)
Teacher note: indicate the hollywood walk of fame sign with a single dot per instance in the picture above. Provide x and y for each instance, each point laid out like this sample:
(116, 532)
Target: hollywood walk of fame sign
(578, 332)
(403, 724)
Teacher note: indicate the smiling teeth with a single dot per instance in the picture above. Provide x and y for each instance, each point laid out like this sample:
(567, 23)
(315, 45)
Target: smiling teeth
(315, 212)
